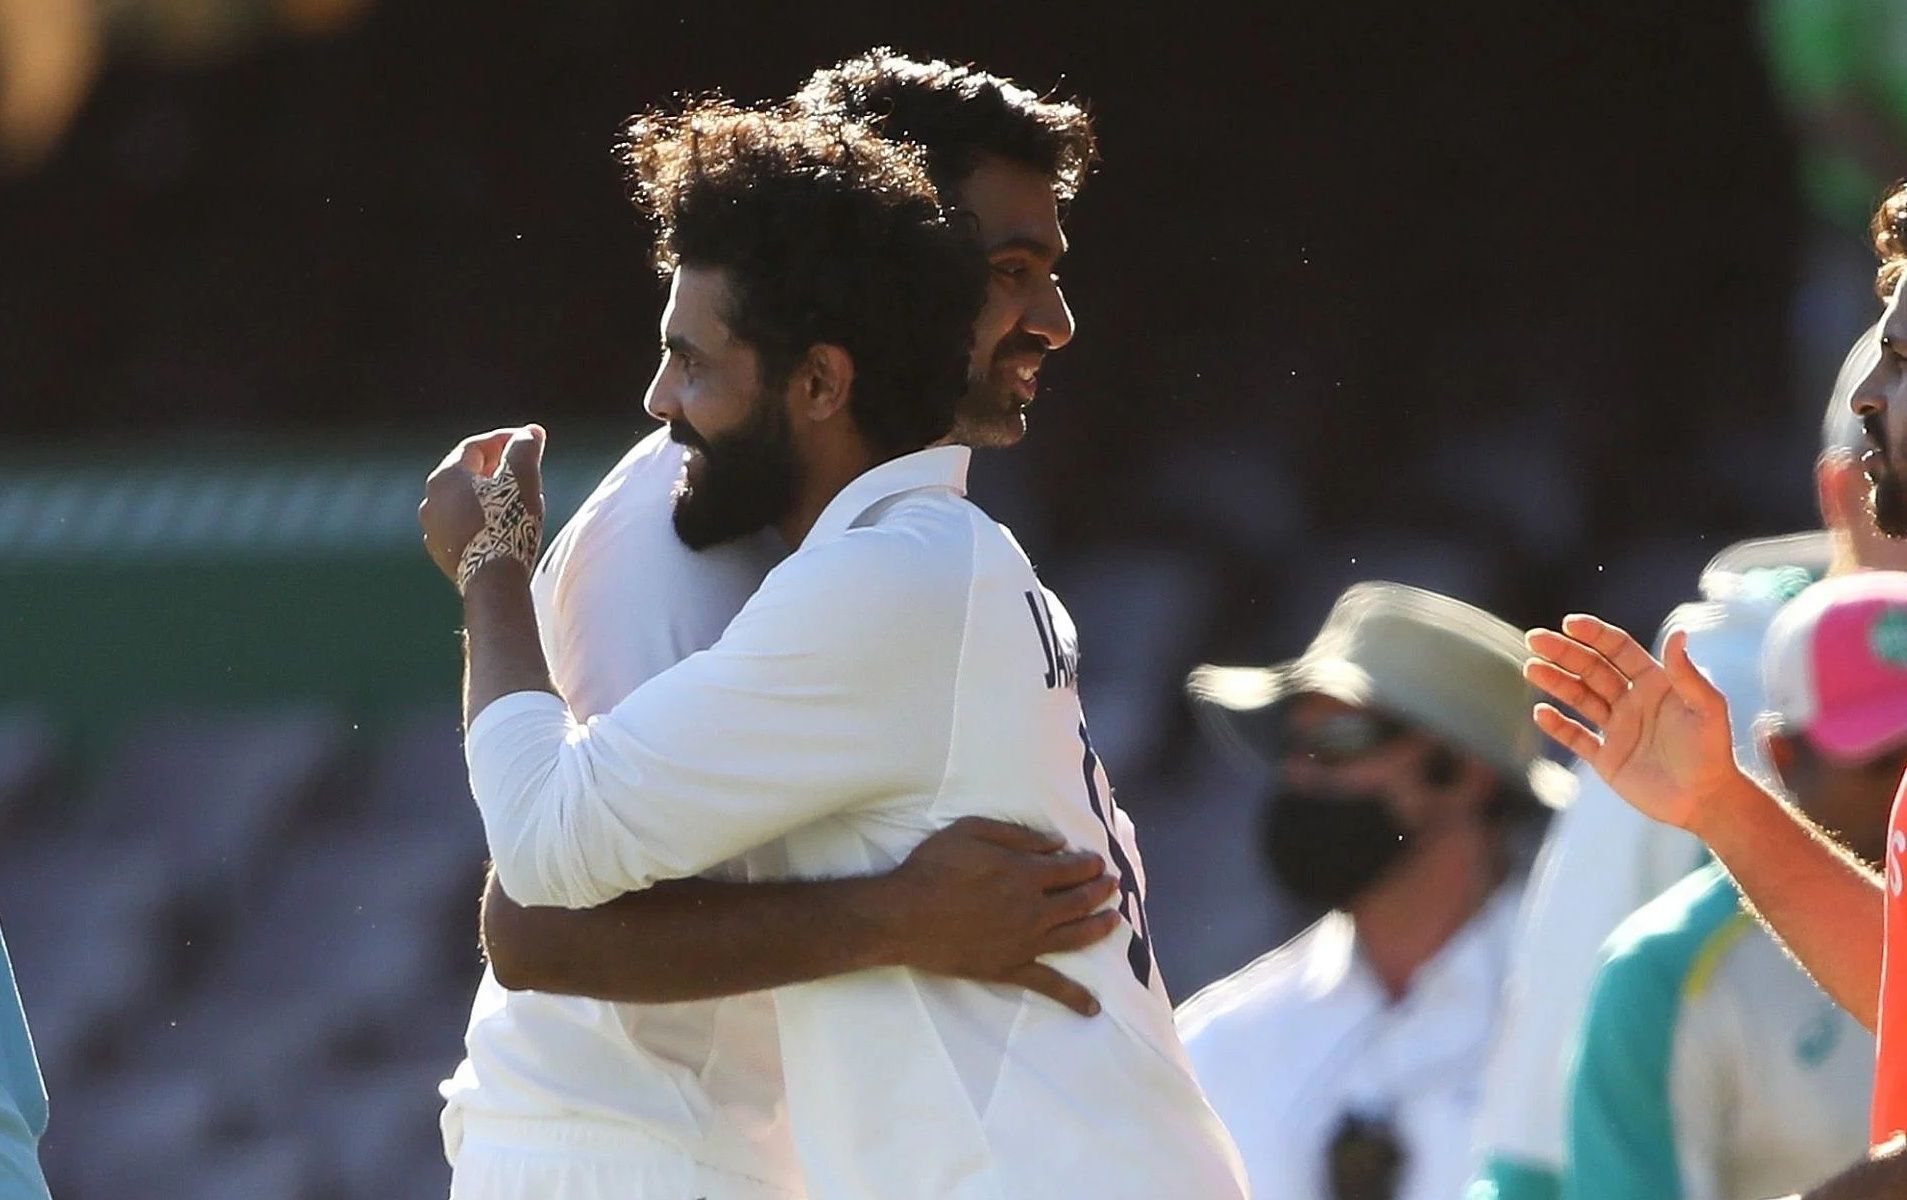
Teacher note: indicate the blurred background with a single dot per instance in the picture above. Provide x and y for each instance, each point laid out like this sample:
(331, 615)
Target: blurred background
(1535, 304)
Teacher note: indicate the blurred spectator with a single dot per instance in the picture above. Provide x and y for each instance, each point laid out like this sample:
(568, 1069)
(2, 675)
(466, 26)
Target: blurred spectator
(51, 51)
(1710, 1065)
(1346, 1062)
(22, 1096)
(1603, 859)
(1840, 68)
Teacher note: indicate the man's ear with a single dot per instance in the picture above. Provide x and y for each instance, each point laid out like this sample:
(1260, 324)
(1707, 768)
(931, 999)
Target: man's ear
(822, 382)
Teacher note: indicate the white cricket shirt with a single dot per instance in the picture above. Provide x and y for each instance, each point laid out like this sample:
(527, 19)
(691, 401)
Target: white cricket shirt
(620, 599)
(903, 668)
(1306, 1035)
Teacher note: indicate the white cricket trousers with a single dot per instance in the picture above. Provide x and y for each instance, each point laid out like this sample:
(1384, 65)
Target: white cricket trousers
(530, 1159)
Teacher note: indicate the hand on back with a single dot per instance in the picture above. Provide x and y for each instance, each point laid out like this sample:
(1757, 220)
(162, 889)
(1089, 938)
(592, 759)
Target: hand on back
(984, 899)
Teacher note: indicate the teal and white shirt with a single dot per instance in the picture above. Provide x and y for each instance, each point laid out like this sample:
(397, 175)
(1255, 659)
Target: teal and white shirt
(1601, 861)
(1710, 1067)
(22, 1097)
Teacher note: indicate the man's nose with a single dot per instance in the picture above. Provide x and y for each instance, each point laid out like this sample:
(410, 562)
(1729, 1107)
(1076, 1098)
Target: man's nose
(661, 403)
(1049, 318)
(1870, 398)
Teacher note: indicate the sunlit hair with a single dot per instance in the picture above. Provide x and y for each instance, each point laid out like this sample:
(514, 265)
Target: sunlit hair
(826, 234)
(1889, 229)
(958, 114)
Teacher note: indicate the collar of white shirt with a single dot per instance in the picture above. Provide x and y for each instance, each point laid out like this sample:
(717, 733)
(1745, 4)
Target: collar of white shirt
(934, 467)
(1466, 972)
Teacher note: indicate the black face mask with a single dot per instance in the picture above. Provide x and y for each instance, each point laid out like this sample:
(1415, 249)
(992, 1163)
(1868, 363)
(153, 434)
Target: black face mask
(1327, 850)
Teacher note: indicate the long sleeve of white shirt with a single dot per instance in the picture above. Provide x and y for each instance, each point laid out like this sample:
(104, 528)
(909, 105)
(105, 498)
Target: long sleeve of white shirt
(902, 669)
(832, 689)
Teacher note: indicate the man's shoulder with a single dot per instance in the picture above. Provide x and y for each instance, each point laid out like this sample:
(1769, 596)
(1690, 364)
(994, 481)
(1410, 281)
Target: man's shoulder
(1672, 946)
(625, 523)
(913, 543)
(649, 468)
(640, 484)
(1267, 988)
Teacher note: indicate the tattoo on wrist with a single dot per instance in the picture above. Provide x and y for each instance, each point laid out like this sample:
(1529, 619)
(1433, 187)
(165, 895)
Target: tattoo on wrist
(509, 530)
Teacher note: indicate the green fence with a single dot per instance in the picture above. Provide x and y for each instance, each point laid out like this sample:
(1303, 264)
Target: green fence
(134, 581)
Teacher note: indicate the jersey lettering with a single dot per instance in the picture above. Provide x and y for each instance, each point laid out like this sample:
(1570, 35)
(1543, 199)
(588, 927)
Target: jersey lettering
(1132, 904)
(1062, 661)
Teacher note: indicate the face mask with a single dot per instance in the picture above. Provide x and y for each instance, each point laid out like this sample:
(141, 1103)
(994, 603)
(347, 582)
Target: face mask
(1329, 850)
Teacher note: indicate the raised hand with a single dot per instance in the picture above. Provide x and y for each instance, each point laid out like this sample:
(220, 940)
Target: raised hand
(1664, 743)
(454, 511)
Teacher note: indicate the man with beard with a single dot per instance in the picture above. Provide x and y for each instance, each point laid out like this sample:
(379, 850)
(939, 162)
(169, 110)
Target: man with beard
(1346, 1062)
(1013, 158)
(1660, 743)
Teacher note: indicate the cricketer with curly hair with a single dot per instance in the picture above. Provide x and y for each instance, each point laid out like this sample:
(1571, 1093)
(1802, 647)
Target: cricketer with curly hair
(888, 1098)
(818, 248)
(1007, 161)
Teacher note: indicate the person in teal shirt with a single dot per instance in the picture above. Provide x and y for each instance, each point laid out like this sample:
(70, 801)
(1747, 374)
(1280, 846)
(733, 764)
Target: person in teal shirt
(22, 1096)
(1710, 1066)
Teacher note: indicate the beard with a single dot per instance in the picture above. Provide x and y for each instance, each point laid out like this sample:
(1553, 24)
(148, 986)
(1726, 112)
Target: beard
(1887, 504)
(990, 415)
(746, 482)
(1887, 492)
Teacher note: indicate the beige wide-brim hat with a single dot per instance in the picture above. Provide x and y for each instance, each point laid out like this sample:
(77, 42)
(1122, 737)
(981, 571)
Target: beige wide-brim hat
(1437, 663)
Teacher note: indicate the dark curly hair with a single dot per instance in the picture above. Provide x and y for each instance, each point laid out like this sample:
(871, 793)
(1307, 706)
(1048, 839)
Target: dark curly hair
(828, 234)
(1889, 230)
(957, 114)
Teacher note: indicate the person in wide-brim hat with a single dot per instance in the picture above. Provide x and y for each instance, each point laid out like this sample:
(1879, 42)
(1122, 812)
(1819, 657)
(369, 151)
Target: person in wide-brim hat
(1408, 781)
(1424, 658)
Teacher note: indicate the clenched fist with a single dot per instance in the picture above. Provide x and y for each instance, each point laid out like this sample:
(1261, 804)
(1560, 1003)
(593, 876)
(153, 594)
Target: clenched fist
(485, 501)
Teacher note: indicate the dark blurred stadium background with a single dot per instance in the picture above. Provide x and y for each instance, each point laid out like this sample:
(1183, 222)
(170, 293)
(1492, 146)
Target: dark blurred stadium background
(1500, 298)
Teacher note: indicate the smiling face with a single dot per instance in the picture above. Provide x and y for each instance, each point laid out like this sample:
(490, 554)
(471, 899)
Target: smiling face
(1015, 215)
(739, 470)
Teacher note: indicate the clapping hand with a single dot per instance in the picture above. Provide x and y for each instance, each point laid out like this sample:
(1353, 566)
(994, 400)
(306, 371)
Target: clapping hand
(1661, 737)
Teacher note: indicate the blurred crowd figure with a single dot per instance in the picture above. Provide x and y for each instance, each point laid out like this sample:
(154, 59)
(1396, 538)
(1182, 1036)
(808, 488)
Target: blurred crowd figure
(1708, 1063)
(22, 1096)
(1603, 859)
(52, 51)
(1411, 788)
(1645, 1036)
(1839, 68)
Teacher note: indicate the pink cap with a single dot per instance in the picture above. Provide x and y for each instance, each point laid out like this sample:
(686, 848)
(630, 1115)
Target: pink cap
(1834, 664)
